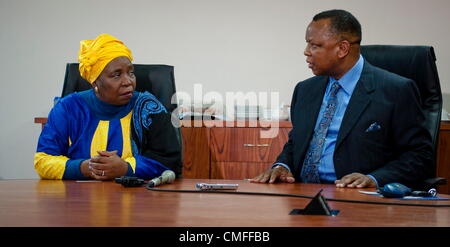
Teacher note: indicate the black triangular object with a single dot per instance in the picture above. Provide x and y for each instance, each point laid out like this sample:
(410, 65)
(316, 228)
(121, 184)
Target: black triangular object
(317, 206)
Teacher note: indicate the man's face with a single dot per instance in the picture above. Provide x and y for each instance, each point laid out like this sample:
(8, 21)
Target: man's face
(322, 48)
(117, 82)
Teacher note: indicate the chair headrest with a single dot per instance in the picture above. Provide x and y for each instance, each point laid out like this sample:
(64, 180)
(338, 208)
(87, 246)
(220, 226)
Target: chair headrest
(157, 79)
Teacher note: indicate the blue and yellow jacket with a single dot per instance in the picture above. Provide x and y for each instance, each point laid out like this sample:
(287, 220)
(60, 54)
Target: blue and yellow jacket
(80, 125)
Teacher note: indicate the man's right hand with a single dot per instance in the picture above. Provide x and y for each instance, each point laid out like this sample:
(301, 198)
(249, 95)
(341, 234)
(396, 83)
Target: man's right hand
(278, 173)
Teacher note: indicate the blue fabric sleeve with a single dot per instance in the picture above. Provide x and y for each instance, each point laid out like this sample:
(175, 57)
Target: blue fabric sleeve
(73, 171)
(130, 171)
(281, 164)
(374, 179)
(147, 168)
(54, 138)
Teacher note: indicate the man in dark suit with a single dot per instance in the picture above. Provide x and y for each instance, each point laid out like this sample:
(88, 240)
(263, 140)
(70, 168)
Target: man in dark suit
(354, 124)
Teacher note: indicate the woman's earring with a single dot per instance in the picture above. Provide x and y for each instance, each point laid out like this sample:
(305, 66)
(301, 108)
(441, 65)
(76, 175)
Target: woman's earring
(96, 89)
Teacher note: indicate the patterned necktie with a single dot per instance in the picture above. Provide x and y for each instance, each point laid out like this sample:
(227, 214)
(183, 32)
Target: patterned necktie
(310, 172)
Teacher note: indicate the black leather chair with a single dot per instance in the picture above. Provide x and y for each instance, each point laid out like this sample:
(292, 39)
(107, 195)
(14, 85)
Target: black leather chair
(154, 78)
(419, 64)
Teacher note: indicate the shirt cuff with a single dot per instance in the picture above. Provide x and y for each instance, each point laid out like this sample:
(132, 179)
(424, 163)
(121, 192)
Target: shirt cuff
(73, 170)
(129, 171)
(373, 178)
(283, 165)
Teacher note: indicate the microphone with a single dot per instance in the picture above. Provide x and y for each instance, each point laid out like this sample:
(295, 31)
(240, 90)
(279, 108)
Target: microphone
(166, 177)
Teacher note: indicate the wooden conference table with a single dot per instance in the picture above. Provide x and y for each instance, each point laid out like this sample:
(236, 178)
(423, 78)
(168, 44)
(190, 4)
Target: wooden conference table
(72, 203)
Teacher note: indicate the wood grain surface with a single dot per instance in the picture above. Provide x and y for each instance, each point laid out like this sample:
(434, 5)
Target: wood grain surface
(72, 203)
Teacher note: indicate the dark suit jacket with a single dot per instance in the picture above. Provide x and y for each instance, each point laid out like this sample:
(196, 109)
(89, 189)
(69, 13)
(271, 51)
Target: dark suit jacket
(399, 151)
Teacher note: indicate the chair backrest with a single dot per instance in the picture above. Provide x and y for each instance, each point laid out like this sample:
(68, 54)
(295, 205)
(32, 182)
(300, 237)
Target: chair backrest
(154, 78)
(419, 64)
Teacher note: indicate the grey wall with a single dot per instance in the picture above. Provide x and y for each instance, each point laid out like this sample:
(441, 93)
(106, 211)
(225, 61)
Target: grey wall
(226, 46)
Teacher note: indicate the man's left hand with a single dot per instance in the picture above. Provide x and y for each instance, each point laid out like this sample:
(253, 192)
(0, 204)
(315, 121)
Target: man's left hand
(355, 180)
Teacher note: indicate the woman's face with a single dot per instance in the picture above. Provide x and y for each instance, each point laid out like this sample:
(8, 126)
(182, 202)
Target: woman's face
(117, 82)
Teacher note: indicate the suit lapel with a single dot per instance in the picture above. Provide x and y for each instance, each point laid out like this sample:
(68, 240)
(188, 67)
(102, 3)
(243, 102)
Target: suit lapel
(309, 107)
(358, 103)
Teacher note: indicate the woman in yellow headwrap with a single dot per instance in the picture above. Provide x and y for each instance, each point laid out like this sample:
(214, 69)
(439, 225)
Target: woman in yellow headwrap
(110, 130)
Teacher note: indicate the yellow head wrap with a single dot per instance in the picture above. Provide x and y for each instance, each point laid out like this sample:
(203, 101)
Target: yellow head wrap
(94, 55)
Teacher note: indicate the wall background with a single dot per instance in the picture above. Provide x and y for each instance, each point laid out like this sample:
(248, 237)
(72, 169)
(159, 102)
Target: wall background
(226, 46)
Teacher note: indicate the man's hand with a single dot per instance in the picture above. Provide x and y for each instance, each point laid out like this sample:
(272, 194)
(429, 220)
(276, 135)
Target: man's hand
(107, 165)
(278, 173)
(355, 180)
